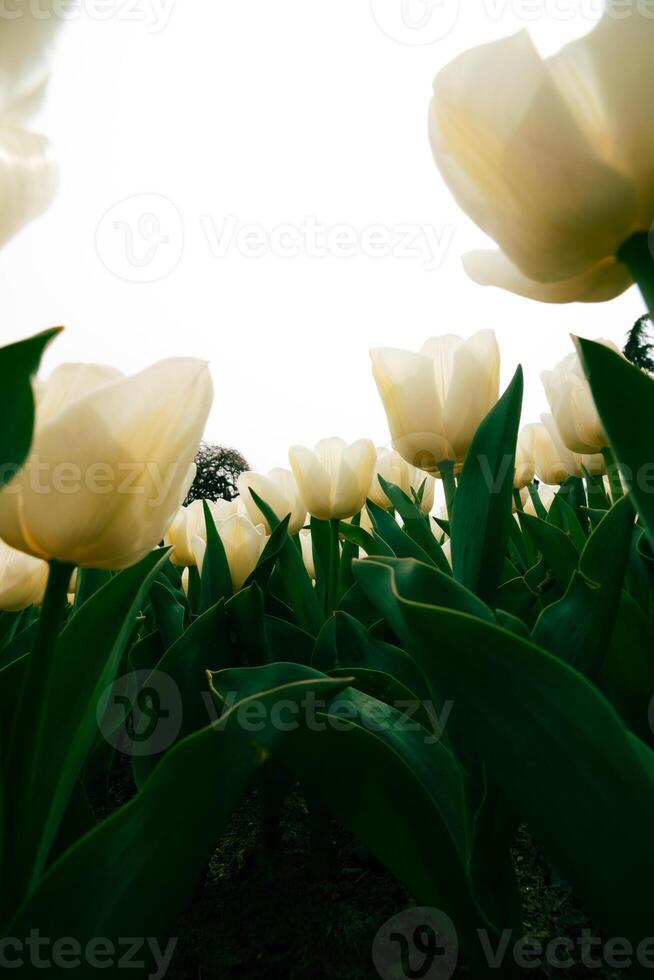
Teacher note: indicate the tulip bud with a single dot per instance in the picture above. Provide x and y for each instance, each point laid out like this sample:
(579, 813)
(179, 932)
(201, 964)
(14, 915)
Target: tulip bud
(243, 543)
(22, 579)
(573, 406)
(279, 490)
(554, 168)
(107, 473)
(392, 468)
(436, 399)
(334, 479)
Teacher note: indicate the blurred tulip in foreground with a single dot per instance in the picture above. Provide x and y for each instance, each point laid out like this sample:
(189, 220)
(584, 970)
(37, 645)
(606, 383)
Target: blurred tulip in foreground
(108, 471)
(435, 399)
(334, 478)
(553, 158)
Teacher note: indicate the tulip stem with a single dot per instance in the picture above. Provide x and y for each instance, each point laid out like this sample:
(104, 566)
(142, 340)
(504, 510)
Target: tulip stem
(331, 596)
(613, 474)
(637, 255)
(517, 499)
(446, 470)
(28, 729)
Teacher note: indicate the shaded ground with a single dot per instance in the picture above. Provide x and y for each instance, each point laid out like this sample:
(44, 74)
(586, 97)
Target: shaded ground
(252, 921)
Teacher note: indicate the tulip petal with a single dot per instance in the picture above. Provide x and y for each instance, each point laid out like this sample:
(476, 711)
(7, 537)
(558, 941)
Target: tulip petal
(604, 281)
(498, 123)
(606, 77)
(312, 480)
(473, 389)
(28, 178)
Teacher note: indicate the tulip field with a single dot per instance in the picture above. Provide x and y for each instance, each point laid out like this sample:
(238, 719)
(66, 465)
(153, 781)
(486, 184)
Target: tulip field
(439, 652)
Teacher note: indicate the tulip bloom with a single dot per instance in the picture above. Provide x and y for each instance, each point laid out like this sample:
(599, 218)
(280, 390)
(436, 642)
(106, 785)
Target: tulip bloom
(525, 463)
(554, 463)
(188, 524)
(553, 158)
(243, 543)
(435, 399)
(22, 579)
(392, 468)
(28, 175)
(573, 406)
(279, 490)
(107, 471)
(334, 478)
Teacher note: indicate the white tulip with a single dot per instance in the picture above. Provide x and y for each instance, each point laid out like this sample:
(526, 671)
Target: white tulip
(392, 468)
(435, 399)
(554, 463)
(572, 405)
(243, 543)
(334, 478)
(188, 523)
(306, 543)
(525, 463)
(546, 496)
(553, 158)
(279, 490)
(22, 579)
(28, 175)
(106, 474)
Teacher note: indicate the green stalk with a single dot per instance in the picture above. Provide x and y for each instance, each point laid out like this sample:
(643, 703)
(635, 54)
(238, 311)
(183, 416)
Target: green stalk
(446, 470)
(517, 500)
(331, 595)
(26, 741)
(636, 253)
(539, 507)
(596, 492)
(613, 474)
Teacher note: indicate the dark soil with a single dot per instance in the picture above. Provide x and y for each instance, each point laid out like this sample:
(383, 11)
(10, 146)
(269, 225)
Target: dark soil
(253, 919)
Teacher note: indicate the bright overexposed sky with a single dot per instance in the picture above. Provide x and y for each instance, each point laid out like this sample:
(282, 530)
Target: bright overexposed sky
(250, 181)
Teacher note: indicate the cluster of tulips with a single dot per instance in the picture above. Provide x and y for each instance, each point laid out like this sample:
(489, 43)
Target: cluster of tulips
(359, 578)
(112, 456)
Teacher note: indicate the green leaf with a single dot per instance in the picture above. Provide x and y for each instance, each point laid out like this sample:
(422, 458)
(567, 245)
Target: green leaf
(135, 872)
(578, 627)
(416, 525)
(551, 742)
(215, 578)
(18, 363)
(168, 613)
(624, 397)
(563, 516)
(558, 551)
(482, 509)
(400, 543)
(86, 658)
(628, 671)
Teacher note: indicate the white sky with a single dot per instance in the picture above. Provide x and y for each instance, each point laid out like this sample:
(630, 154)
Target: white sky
(262, 113)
